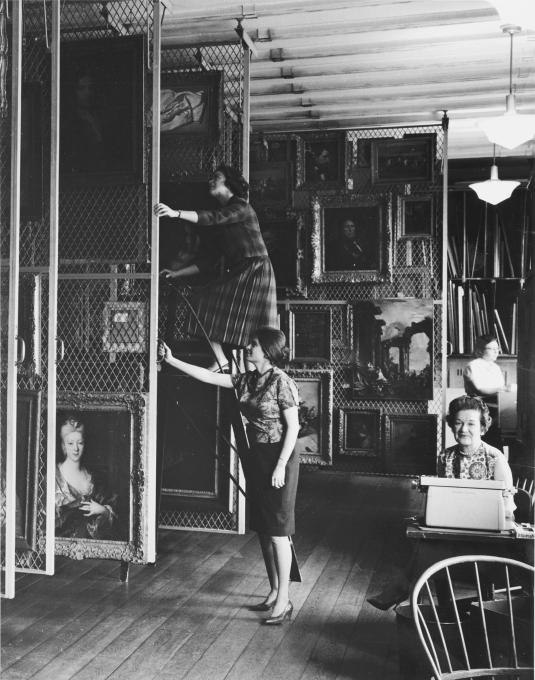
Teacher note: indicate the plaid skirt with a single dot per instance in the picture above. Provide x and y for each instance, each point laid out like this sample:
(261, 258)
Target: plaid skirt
(232, 307)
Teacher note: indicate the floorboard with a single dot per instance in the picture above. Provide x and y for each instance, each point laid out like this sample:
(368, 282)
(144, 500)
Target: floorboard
(186, 617)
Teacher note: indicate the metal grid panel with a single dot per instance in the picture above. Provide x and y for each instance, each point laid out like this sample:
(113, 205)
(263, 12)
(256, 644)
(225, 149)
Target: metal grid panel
(415, 273)
(103, 231)
(190, 159)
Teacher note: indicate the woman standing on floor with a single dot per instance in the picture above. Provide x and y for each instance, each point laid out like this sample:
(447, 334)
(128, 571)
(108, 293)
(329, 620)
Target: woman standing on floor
(244, 298)
(269, 401)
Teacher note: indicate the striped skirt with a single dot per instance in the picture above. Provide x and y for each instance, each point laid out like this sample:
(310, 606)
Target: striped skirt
(232, 307)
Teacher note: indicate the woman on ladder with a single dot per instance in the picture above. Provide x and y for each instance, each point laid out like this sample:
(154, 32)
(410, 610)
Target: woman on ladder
(269, 401)
(244, 298)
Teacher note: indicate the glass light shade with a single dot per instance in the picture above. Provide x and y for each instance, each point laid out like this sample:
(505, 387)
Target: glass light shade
(511, 129)
(494, 190)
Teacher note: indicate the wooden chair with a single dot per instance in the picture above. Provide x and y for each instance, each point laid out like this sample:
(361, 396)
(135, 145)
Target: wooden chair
(463, 633)
(524, 500)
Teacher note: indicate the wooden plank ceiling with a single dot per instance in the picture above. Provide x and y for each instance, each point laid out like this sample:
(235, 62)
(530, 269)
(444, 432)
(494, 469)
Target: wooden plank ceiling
(327, 64)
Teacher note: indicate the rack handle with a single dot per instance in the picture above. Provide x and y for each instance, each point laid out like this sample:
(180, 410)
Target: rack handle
(60, 349)
(21, 350)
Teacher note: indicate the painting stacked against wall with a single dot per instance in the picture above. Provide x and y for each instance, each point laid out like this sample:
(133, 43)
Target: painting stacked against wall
(350, 221)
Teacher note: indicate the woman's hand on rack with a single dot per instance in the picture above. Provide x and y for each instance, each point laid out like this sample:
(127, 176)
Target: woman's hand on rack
(163, 210)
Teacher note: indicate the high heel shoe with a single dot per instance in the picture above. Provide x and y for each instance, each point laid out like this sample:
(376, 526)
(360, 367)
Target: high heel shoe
(261, 607)
(281, 618)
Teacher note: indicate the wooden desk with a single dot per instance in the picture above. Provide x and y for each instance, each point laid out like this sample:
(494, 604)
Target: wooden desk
(418, 531)
(437, 543)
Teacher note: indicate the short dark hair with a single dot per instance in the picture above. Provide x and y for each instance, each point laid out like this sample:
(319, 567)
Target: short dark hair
(235, 181)
(273, 343)
(482, 341)
(465, 403)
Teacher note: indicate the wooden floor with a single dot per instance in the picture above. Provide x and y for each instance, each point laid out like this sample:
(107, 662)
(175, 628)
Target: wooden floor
(186, 616)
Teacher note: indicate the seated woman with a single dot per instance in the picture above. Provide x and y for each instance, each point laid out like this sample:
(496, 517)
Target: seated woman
(83, 510)
(470, 458)
(484, 378)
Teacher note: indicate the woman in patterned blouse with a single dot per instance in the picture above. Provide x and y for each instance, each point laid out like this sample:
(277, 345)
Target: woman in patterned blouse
(269, 401)
(471, 458)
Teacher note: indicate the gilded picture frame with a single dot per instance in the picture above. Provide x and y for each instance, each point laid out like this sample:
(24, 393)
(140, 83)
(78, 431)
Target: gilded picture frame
(393, 347)
(310, 333)
(114, 455)
(365, 255)
(284, 236)
(27, 438)
(359, 432)
(416, 216)
(314, 442)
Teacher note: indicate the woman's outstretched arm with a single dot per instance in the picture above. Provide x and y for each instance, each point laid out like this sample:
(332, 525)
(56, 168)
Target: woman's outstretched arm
(197, 372)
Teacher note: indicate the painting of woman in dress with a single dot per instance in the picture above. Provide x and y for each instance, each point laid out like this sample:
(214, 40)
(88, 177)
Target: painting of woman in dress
(84, 507)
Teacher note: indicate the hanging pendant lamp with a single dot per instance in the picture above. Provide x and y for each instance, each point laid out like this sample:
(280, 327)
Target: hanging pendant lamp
(512, 128)
(494, 190)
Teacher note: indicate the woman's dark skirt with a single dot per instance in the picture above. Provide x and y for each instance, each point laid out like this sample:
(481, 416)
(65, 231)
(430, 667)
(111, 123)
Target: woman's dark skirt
(232, 307)
(272, 511)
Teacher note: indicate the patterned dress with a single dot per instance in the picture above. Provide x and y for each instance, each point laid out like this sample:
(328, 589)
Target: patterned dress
(71, 520)
(484, 463)
(234, 306)
(262, 400)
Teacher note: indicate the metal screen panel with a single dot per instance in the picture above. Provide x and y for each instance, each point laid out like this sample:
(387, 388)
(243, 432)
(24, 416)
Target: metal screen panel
(187, 159)
(415, 263)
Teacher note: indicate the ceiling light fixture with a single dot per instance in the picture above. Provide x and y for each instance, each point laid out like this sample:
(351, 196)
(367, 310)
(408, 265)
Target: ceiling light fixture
(512, 128)
(494, 190)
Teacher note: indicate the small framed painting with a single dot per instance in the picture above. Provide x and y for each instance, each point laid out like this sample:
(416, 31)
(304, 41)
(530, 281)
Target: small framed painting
(269, 184)
(322, 161)
(314, 442)
(402, 161)
(191, 104)
(310, 333)
(411, 444)
(285, 241)
(359, 432)
(416, 216)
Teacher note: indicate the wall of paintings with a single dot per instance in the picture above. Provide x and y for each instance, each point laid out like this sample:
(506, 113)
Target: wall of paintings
(352, 221)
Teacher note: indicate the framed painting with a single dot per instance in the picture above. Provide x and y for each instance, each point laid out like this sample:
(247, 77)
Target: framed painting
(310, 333)
(402, 161)
(191, 104)
(393, 349)
(416, 216)
(411, 444)
(322, 161)
(351, 239)
(190, 462)
(269, 184)
(27, 438)
(285, 241)
(125, 327)
(102, 123)
(101, 440)
(359, 432)
(314, 442)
